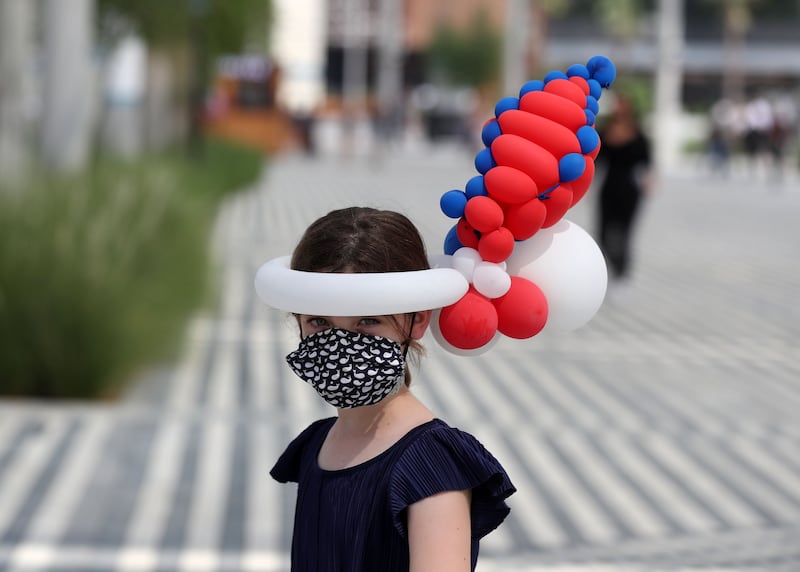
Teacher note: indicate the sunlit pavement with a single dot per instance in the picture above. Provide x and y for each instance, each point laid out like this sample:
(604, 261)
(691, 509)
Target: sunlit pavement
(664, 435)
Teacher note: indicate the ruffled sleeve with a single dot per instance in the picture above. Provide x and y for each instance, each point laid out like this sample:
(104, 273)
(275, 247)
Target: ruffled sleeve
(446, 459)
(290, 463)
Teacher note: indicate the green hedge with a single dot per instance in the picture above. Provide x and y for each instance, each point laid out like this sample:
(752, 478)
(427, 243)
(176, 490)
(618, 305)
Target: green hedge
(100, 272)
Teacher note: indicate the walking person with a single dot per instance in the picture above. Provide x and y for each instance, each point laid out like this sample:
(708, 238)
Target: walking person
(625, 153)
(384, 485)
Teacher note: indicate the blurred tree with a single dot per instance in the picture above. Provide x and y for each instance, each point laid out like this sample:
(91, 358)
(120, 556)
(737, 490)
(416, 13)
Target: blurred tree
(191, 34)
(622, 19)
(231, 26)
(737, 17)
(525, 38)
(543, 11)
(67, 115)
(16, 55)
(469, 58)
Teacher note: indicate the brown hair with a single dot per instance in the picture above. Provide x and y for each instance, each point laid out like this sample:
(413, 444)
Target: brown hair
(363, 239)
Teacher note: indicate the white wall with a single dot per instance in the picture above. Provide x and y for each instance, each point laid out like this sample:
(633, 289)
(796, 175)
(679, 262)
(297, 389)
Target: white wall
(298, 45)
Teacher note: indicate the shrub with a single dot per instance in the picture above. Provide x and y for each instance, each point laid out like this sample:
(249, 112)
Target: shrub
(100, 272)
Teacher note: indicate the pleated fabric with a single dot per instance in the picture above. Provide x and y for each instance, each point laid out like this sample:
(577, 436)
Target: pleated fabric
(355, 519)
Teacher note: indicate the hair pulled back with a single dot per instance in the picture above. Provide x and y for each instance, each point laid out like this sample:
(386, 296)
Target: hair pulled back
(363, 239)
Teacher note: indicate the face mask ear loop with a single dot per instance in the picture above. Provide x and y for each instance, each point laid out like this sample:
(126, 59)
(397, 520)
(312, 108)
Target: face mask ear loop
(408, 337)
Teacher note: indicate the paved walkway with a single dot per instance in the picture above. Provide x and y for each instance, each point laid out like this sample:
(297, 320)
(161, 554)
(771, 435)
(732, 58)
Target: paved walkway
(662, 436)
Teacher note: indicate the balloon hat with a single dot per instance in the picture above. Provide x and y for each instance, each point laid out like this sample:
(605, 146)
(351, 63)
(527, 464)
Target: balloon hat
(512, 264)
(528, 268)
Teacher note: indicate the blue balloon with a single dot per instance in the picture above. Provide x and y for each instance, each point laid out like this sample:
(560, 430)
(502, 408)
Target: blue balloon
(602, 69)
(484, 161)
(452, 203)
(476, 187)
(532, 85)
(595, 89)
(588, 138)
(489, 132)
(570, 167)
(554, 74)
(505, 104)
(592, 104)
(590, 117)
(451, 242)
(578, 70)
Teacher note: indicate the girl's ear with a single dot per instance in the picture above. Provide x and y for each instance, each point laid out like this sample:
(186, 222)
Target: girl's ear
(422, 320)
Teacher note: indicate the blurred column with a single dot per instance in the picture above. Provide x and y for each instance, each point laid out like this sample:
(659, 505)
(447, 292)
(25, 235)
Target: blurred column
(737, 20)
(515, 48)
(125, 83)
(354, 88)
(198, 34)
(390, 65)
(16, 50)
(355, 53)
(298, 45)
(668, 88)
(69, 84)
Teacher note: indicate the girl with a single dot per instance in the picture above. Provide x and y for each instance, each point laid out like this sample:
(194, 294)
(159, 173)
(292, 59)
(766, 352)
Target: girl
(385, 485)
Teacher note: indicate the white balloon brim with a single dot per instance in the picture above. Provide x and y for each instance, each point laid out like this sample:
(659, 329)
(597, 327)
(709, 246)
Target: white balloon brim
(357, 294)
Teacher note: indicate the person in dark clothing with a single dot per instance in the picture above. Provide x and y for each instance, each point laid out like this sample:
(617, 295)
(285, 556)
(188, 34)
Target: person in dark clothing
(625, 153)
(384, 485)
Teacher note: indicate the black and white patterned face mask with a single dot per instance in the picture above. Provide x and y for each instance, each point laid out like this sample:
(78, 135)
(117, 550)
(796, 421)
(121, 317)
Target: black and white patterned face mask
(349, 369)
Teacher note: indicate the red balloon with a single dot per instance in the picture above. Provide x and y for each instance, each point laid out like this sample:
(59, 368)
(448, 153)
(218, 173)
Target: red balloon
(466, 234)
(497, 245)
(580, 185)
(526, 219)
(567, 90)
(532, 159)
(554, 107)
(557, 203)
(522, 311)
(483, 213)
(470, 323)
(509, 185)
(583, 84)
(550, 134)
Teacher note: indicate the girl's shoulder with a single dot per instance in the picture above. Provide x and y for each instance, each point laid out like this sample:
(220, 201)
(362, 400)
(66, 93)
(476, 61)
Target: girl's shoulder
(439, 446)
(308, 442)
(442, 458)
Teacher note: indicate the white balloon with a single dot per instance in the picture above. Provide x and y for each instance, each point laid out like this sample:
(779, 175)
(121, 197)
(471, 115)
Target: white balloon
(464, 260)
(440, 339)
(356, 294)
(569, 267)
(491, 280)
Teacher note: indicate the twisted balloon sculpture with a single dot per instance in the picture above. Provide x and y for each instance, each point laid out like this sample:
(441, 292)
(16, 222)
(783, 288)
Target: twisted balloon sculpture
(528, 268)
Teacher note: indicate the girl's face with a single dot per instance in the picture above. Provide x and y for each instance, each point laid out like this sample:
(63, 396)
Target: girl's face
(394, 327)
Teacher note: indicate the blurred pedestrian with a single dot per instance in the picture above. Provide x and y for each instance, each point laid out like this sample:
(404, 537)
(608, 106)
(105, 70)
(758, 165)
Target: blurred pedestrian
(760, 122)
(625, 154)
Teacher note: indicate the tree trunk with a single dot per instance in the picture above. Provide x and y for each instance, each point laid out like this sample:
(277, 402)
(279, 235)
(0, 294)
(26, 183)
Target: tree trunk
(69, 94)
(16, 47)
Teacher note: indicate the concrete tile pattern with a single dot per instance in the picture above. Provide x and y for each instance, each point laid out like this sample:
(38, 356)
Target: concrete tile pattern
(664, 435)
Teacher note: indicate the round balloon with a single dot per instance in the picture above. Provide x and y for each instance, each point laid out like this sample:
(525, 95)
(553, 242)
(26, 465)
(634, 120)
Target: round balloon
(522, 311)
(491, 279)
(568, 266)
(465, 260)
(469, 323)
(444, 344)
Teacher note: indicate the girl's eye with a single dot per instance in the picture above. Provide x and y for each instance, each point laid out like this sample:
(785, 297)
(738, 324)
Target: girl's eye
(369, 321)
(317, 322)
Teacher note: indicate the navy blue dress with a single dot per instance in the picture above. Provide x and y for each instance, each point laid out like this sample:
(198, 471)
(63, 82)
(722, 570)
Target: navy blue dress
(354, 519)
